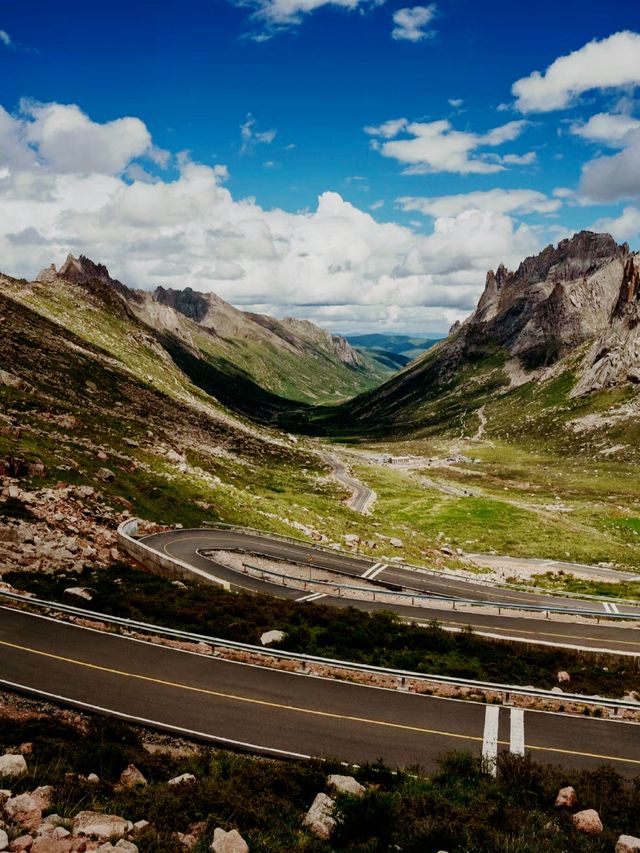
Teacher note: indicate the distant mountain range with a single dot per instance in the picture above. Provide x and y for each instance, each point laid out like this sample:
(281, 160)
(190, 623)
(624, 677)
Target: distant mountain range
(254, 364)
(393, 351)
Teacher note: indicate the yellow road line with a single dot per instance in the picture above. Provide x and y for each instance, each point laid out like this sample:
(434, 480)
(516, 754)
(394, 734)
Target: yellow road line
(297, 709)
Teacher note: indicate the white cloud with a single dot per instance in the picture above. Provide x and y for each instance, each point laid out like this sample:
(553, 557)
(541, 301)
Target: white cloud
(335, 264)
(277, 15)
(613, 62)
(614, 177)
(412, 24)
(623, 227)
(5, 38)
(456, 103)
(250, 137)
(71, 142)
(608, 128)
(491, 201)
(437, 147)
(520, 159)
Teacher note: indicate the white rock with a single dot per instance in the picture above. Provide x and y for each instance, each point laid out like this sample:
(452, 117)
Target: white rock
(93, 778)
(272, 637)
(346, 784)
(12, 765)
(588, 821)
(624, 844)
(397, 543)
(79, 592)
(185, 778)
(127, 846)
(228, 842)
(319, 819)
(4, 840)
(139, 825)
(102, 826)
(24, 810)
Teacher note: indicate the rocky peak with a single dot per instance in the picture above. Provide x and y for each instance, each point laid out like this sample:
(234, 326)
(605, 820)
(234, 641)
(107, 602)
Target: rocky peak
(188, 302)
(576, 257)
(82, 271)
(630, 287)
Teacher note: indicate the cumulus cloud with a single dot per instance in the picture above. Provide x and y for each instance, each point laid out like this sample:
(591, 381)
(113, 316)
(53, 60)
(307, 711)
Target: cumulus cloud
(623, 227)
(335, 264)
(5, 38)
(71, 142)
(412, 24)
(437, 147)
(614, 177)
(491, 201)
(607, 128)
(612, 62)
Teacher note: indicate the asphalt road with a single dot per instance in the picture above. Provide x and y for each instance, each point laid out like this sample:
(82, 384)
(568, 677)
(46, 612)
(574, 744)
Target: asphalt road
(608, 635)
(286, 714)
(362, 497)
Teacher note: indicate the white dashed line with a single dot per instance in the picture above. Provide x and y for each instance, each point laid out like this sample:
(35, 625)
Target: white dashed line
(368, 572)
(490, 738)
(314, 596)
(377, 571)
(516, 735)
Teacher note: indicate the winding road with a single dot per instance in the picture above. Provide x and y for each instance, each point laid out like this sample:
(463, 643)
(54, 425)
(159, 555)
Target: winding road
(189, 545)
(285, 714)
(362, 497)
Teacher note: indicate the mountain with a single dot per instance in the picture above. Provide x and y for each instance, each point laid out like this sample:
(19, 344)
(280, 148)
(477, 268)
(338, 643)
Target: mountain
(557, 338)
(404, 347)
(252, 363)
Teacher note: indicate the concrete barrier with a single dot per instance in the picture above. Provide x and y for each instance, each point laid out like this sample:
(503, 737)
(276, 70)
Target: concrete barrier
(161, 564)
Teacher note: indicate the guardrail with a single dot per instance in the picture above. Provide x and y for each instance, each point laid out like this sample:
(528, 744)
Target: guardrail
(403, 675)
(394, 561)
(424, 599)
(163, 564)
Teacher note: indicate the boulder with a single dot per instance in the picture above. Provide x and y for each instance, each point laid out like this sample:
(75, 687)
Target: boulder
(319, 819)
(101, 826)
(131, 777)
(566, 798)
(24, 810)
(24, 842)
(127, 846)
(51, 845)
(346, 784)
(184, 779)
(633, 376)
(4, 840)
(228, 842)
(105, 474)
(397, 543)
(44, 796)
(79, 592)
(93, 778)
(588, 821)
(563, 677)
(624, 844)
(12, 766)
(272, 637)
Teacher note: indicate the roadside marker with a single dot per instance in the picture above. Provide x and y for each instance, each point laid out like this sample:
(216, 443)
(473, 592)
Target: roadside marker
(610, 607)
(516, 736)
(490, 738)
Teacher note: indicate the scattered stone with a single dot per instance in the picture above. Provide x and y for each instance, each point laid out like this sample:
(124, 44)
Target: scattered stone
(228, 842)
(634, 376)
(563, 677)
(140, 825)
(24, 810)
(44, 796)
(588, 821)
(100, 825)
(24, 842)
(131, 777)
(567, 798)
(127, 846)
(93, 778)
(179, 584)
(396, 543)
(79, 592)
(106, 475)
(51, 845)
(346, 784)
(319, 819)
(272, 637)
(12, 766)
(624, 844)
(184, 779)
(4, 840)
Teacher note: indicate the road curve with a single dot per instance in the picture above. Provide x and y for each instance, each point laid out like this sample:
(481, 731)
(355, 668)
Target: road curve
(362, 497)
(282, 713)
(186, 545)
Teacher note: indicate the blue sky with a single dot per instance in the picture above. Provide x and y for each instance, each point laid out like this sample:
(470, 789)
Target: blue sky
(294, 98)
